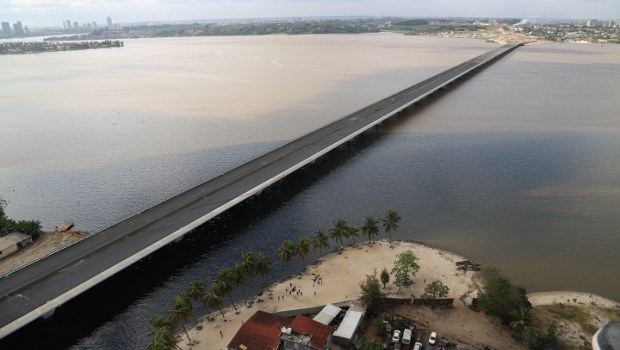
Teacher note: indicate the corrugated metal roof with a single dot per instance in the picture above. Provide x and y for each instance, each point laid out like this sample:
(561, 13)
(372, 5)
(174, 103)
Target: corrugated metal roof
(328, 313)
(349, 324)
(319, 332)
(260, 332)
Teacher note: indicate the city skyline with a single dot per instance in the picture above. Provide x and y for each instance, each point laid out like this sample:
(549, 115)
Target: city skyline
(41, 13)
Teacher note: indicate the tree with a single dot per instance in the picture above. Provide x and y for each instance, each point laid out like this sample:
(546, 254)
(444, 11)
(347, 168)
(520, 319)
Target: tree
(286, 251)
(196, 291)
(320, 241)
(500, 297)
(263, 264)
(390, 223)
(405, 267)
(521, 318)
(188, 301)
(535, 339)
(238, 274)
(302, 248)
(372, 296)
(435, 290)
(213, 298)
(224, 282)
(163, 337)
(352, 231)
(338, 231)
(370, 228)
(248, 260)
(179, 313)
(385, 277)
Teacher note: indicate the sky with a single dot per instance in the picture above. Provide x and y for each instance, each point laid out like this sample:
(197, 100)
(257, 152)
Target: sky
(53, 12)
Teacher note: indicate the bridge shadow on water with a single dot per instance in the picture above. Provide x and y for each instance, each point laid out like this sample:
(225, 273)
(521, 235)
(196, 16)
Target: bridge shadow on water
(80, 317)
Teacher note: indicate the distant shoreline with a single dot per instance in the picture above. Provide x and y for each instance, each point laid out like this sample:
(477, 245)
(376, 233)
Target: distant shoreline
(20, 48)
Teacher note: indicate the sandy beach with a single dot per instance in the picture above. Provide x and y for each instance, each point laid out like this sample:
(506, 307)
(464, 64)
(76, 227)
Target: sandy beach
(341, 272)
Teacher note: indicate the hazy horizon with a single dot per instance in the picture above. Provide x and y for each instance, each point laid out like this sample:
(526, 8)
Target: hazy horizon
(42, 13)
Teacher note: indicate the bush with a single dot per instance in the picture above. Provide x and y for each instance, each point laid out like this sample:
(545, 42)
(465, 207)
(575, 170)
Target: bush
(501, 298)
(535, 339)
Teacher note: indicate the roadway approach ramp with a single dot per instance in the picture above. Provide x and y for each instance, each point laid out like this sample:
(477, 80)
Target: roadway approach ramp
(37, 289)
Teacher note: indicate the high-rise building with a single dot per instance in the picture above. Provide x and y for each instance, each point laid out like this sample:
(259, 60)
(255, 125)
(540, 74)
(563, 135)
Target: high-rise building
(110, 23)
(64, 25)
(68, 24)
(76, 25)
(6, 28)
(18, 28)
(94, 25)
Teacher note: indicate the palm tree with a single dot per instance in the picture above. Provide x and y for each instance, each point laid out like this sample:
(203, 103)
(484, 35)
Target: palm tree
(188, 300)
(263, 264)
(370, 228)
(320, 241)
(213, 298)
(238, 274)
(390, 223)
(285, 251)
(196, 291)
(163, 338)
(522, 318)
(224, 282)
(249, 262)
(179, 313)
(302, 248)
(353, 231)
(338, 231)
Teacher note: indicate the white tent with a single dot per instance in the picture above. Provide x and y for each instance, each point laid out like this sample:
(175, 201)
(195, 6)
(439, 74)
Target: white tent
(328, 313)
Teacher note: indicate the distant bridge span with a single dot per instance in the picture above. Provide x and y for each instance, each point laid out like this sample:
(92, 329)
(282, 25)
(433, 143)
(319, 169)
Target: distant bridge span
(36, 290)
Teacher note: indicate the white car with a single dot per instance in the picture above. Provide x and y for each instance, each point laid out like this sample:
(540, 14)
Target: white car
(433, 338)
(417, 346)
(396, 336)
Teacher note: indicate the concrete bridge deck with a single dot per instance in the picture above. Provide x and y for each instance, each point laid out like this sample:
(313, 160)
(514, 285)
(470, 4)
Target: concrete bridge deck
(39, 288)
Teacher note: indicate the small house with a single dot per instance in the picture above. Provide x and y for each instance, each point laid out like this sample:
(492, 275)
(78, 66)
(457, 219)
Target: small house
(13, 242)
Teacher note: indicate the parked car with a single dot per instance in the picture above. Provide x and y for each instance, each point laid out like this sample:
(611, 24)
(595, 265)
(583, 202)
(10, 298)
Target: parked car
(433, 338)
(397, 346)
(417, 346)
(396, 336)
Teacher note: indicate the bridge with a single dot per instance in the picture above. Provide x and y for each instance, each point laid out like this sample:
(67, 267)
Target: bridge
(37, 289)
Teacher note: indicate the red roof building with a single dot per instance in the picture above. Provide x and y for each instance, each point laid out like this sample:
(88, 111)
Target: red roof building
(264, 331)
(320, 334)
(260, 332)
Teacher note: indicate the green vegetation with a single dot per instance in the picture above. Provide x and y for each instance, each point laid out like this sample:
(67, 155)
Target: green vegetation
(35, 47)
(405, 267)
(435, 290)
(535, 339)
(339, 231)
(390, 223)
(372, 295)
(381, 327)
(370, 228)
(501, 298)
(264, 28)
(320, 241)
(385, 276)
(8, 225)
(163, 335)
